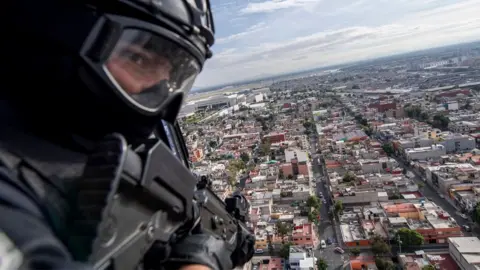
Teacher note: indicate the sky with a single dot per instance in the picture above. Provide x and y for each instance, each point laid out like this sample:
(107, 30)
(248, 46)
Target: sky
(261, 38)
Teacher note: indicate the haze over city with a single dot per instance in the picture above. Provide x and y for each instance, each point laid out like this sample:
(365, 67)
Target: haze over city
(256, 39)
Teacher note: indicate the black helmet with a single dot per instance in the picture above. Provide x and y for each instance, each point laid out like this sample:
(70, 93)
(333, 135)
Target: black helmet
(106, 66)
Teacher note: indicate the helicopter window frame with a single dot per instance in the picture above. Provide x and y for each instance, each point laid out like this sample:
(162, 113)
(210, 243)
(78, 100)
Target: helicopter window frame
(170, 135)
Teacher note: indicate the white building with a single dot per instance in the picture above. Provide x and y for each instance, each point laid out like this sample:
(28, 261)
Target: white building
(301, 259)
(465, 251)
(423, 153)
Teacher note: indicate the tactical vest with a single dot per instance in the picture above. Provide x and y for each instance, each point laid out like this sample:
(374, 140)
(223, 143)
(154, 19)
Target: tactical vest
(47, 173)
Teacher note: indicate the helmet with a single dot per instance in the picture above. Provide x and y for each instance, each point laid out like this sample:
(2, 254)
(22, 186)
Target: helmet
(106, 66)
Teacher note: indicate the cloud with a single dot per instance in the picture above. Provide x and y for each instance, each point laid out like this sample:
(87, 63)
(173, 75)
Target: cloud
(251, 30)
(273, 5)
(383, 27)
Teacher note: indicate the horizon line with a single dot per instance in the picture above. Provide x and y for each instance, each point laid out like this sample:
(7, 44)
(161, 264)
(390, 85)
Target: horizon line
(245, 81)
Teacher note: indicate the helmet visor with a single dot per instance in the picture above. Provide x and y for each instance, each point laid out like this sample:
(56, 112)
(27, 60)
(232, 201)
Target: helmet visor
(148, 68)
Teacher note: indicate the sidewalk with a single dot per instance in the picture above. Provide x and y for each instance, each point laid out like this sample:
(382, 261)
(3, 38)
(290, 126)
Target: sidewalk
(338, 233)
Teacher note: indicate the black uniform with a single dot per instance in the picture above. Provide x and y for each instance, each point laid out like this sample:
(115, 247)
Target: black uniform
(36, 192)
(73, 72)
(35, 182)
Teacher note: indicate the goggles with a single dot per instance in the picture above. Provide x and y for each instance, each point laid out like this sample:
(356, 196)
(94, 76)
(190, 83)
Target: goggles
(145, 64)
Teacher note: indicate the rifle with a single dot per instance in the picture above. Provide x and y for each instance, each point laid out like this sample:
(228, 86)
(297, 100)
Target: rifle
(227, 220)
(129, 200)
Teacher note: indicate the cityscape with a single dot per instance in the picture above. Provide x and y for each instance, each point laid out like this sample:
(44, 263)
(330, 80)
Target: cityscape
(371, 165)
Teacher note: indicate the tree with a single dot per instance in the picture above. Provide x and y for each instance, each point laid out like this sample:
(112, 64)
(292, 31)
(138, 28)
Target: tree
(395, 196)
(313, 215)
(440, 121)
(379, 247)
(283, 229)
(237, 165)
(421, 185)
(368, 130)
(265, 148)
(428, 267)
(313, 201)
(213, 144)
(232, 180)
(413, 111)
(384, 264)
(388, 148)
(307, 125)
(338, 208)
(322, 264)
(285, 251)
(349, 177)
(409, 237)
(355, 251)
(245, 157)
(364, 122)
(234, 166)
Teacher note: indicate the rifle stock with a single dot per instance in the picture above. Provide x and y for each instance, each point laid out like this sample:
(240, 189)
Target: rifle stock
(129, 200)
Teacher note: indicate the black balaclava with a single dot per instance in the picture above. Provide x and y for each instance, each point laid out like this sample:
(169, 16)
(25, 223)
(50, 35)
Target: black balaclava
(45, 91)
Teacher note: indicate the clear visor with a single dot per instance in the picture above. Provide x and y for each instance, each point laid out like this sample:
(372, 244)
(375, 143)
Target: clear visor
(147, 68)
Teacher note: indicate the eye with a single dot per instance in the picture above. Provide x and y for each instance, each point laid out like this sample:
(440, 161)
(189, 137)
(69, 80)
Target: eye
(135, 57)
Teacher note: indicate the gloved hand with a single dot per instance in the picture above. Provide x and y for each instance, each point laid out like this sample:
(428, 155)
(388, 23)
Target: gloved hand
(203, 249)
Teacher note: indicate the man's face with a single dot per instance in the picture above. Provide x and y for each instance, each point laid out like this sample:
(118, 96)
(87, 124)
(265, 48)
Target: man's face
(136, 69)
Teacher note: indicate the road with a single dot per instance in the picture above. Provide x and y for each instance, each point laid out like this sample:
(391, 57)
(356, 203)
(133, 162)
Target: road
(430, 193)
(325, 230)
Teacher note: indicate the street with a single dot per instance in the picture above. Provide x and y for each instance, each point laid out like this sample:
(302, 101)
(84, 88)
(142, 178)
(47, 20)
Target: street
(326, 229)
(430, 193)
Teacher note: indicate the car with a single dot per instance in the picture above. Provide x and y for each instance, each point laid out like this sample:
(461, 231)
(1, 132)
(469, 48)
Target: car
(441, 196)
(258, 251)
(464, 216)
(339, 250)
(467, 228)
(323, 244)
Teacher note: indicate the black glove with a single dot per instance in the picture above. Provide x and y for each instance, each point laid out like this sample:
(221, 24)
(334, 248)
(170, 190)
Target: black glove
(203, 249)
(245, 248)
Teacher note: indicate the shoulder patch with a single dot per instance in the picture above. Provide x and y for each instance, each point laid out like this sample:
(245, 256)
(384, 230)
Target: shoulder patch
(11, 257)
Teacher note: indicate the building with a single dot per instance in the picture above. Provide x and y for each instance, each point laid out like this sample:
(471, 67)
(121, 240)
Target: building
(458, 143)
(464, 126)
(267, 263)
(304, 235)
(443, 177)
(433, 152)
(383, 106)
(452, 93)
(428, 219)
(301, 258)
(214, 103)
(275, 137)
(465, 251)
(296, 163)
